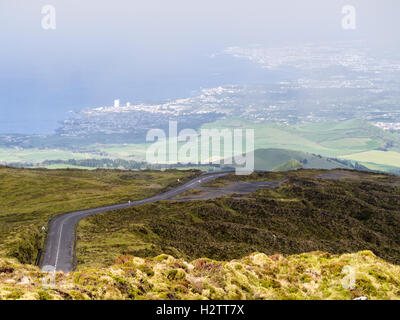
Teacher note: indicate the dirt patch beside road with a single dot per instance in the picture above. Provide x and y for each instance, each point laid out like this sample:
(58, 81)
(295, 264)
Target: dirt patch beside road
(241, 187)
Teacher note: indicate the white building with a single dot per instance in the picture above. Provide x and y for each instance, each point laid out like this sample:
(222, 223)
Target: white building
(116, 103)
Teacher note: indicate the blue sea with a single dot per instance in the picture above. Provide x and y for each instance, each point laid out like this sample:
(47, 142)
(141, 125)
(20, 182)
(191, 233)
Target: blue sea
(35, 102)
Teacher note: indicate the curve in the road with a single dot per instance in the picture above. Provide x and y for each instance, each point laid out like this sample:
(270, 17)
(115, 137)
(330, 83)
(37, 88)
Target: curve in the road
(60, 244)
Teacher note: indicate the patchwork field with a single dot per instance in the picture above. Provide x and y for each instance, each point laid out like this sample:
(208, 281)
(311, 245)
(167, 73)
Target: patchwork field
(331, 139)
(8, 155)
(353, 140)
(386, 158)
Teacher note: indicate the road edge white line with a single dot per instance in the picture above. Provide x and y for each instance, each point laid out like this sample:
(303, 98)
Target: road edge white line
(59, 244)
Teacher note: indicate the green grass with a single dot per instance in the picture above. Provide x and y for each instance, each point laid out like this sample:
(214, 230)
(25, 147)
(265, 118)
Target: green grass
(350, 139)
(356, 143)
(67, 166)
(123, 151)
(330, 139)
(381, 167)
(30, 197)
(307, 213)
(386, 158)
(270, 159)
(291, 164)
(38, 155)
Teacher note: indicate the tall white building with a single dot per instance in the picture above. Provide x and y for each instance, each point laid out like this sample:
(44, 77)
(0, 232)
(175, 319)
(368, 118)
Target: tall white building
(116, 103)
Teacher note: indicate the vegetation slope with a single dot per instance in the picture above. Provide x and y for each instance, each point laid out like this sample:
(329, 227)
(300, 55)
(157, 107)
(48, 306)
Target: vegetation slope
(292, 242)
(30, 197)
(273, 159)
(337, 211)
(315, 275)
(330, 139)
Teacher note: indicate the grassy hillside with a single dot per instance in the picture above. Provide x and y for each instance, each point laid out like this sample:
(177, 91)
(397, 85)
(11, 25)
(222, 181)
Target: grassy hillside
(388, 158)
(352, 139)
(35, 155)
(330, 139)
(334, 211)
(270, 159)
(30, 197)
(314, 275)
(291, 164)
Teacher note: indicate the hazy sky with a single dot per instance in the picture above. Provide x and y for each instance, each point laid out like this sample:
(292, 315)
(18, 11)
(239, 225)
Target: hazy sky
(153, 49)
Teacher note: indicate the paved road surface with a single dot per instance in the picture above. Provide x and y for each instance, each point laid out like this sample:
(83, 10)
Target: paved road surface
(60, 245)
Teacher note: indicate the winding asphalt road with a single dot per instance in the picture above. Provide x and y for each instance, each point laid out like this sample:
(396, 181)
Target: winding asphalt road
(59, 251)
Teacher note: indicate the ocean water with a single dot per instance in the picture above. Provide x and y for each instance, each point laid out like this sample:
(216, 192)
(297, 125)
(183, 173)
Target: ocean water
(33, 102)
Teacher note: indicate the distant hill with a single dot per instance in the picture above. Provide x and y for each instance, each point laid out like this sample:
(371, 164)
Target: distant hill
(329, 139)
(291, 164)
(282, 160)
(352, 140)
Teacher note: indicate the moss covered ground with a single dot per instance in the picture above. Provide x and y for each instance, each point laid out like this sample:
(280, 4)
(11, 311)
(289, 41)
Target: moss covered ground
(314, 275)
